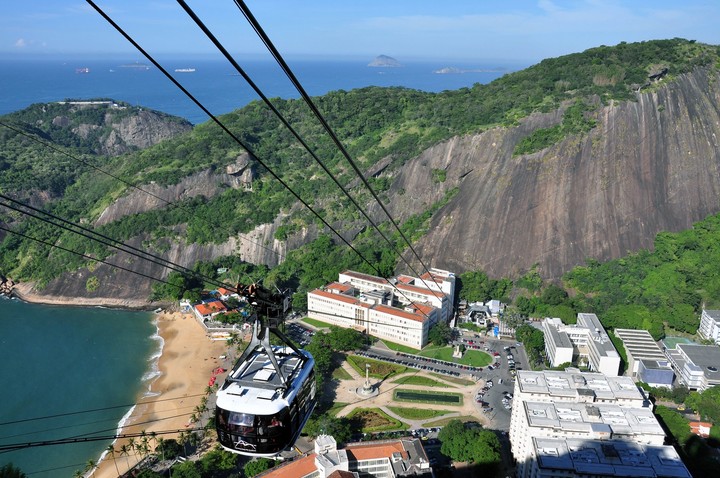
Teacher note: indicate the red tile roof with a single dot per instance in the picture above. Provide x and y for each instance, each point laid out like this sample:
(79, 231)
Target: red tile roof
(339, 297)
(300, 467)
(211, 308)
(339, 286)
(399, 313)
(406, 279)
(370, 452)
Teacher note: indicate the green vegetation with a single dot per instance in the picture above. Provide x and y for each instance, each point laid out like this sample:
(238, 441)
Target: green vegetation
(475, 358)
(316, 323)
(400, 347)
(534, 342)
(574, 122)
(374, 420)
(422, 381)
(444, 421)
(472, 445)
(257, 466)
(341, 374)
(418, 413)
(378, 369)
(706, 403)
(440, 334)
(428, 396)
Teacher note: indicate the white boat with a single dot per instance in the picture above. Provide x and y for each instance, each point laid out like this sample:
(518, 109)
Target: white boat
(184, 70)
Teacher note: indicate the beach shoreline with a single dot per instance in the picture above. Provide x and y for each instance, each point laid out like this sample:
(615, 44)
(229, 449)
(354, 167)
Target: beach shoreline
(184, 368)
(25, 291)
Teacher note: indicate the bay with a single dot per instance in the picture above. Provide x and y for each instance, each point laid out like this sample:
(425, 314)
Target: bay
(215, 83)
(68, 372)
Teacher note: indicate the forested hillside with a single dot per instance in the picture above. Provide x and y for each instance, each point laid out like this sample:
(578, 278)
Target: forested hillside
(535, 168)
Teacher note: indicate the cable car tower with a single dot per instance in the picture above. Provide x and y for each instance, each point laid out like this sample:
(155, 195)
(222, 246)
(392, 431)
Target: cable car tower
(270, 392)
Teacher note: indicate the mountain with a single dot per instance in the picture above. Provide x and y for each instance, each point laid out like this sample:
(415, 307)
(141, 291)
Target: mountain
(385, 61)
(586, 156)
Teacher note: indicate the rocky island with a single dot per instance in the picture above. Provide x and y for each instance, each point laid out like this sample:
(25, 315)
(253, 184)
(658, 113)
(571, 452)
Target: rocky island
(384, 61)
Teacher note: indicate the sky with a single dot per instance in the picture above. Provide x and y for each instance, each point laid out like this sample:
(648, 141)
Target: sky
(514, 30)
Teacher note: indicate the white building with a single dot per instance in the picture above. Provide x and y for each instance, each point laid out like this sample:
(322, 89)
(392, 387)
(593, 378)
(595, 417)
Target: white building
(586, 424)
(436, 288)
(697, 366)
(385, 459)
(710, 325)
(401, 312)
(587, 340)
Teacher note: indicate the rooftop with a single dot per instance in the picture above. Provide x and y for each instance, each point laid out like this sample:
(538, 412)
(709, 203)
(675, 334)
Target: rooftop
(640, 344)
(588, 418)
(609, 458)
(706, 357)
(566, 384)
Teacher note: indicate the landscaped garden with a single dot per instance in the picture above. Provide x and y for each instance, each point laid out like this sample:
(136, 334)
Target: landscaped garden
(422, 381)
(378, 369)
(442, 398)
(374, 420)
(475, 358)
(418, 413)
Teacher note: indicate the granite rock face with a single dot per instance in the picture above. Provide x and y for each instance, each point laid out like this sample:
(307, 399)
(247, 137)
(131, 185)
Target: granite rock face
(648, 166)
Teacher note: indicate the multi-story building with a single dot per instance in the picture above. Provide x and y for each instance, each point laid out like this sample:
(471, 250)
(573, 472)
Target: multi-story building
(586, 424)
(586, 339)
(710, 325)
(646, 361)
(697, 366)
(436, 288)
(386, 459)
(397, 310)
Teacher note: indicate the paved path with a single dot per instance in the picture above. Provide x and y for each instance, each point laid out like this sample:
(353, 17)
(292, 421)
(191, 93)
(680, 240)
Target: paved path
(346, 393)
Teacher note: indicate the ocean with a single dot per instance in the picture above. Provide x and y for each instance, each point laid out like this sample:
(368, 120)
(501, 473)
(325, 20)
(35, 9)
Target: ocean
(216, 84)
(57, 363)
(69, 372)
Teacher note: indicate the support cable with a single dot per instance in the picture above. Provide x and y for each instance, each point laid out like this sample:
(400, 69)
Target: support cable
(287, 125)
(293, 79)
(231, 134)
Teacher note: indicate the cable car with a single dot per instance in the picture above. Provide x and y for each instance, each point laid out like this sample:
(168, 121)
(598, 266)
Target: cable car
(270, 393)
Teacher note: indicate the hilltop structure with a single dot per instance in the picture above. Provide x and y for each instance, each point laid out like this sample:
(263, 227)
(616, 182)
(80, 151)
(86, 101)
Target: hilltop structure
(401, 309)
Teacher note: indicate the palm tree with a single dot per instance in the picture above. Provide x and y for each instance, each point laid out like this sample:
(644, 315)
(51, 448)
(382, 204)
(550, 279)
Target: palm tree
(89, 466)
(125, 450)
(132, 446)
(111, 451)
(161, 444)
(78, 474)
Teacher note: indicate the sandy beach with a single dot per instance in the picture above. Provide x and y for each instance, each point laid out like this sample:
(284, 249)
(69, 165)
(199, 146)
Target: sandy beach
(186, 365)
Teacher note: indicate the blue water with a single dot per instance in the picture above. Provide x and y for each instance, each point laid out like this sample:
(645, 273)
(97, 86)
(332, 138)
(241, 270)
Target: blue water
(215, 83)
(63, 360)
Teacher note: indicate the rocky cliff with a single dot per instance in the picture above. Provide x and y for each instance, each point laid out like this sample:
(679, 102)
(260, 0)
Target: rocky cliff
(649, 166)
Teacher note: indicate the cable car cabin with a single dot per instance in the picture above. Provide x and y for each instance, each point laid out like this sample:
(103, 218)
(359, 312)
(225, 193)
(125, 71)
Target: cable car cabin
(259, 415)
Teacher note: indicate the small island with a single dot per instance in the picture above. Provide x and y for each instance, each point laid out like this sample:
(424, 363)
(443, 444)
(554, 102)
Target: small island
(384, 61)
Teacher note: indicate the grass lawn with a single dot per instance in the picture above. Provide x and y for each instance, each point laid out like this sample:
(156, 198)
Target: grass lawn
(418, 413)
(423, 381)
(428, 396)
(378, 369)
(476, 358)
(400, 348)
(459, 381)
(374, 420)
(337, 406)
(444, 421)
(316, 323)
(341, 374)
